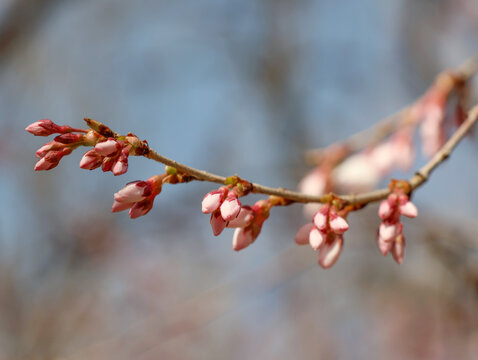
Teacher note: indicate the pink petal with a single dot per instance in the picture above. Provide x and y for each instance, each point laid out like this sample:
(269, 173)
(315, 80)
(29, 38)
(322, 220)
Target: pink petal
(211, 202)
(398, 250)
(133, 192)
(320, 218)
(119, 206)
(384, 246)
(141, 208)
(338, 224)
(242, 238)
(409, 209)
(108, 147)
(43, 127)
(316, 238)
(302, 236)
(244, 218)
(217, 223)
(91, 160)
(230, 208)
(385, 210)
(329, 253)
(388, 232)
(44, 164)
(120, 167)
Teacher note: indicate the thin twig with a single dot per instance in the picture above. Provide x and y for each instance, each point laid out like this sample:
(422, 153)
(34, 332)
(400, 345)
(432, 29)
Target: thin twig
(359, 199)
(388, 125)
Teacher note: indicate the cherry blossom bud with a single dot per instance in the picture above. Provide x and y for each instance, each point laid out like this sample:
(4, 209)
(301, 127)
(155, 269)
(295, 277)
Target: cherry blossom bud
(316, 238)
(91, 160)
(108, 147)
(141, 208)
(409, 209)
(243, 219)
(338, 224)
(70, 138)
(217, 223)
(52, 145)
(330, 251)
(133, 192)
(213, 200)
(355, 174)
(121, 164)
(384, 246)
(389, 232)
(231, 207)
(385, 209)
(52, 159)
(302, 236)
(320, 218)
(44, 127)
(243, 237)
(119, 206)
(398, 250)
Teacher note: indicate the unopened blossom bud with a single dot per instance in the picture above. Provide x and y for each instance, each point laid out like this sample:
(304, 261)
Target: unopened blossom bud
(408, 209)
(398, 250)
(108, 147)
(390, 234)
(324, 235)
(133, 192)
(330, 252)
(119, 206)
(91, 160)
(44, 127)
(52, 159)
(243, 219)
(314, 183)
(218, 224)
(52, 145)
(230, 207)
(316, 238)
(70, 138)
(213, 200)
(243, 237)
(138, 196)
(141, 208)
(121, 164)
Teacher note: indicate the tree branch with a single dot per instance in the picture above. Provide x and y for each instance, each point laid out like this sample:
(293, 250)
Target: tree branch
(359, 199)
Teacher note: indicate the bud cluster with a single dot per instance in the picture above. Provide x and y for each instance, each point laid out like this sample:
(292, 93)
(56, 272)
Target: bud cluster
(324, 234)
(390, 233)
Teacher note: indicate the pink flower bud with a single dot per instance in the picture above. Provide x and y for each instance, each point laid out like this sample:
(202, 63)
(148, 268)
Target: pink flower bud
(91, 160)
(119, 206)
(316, 238)
(384, 246)
(52, 159)
(69, 138)
(121, 164)
(302, 236)
(338, 224)
(52, 145)
(141, 208)
(409, 209)
(108, 147)
(398, 250)
(389, 232)
(320, 218)
(44, 127)
(385, 210)
(243, 237)
(213, 200)
(217, 223)
(329, 253)
(133, 192)
(243, 219)
(231, 207)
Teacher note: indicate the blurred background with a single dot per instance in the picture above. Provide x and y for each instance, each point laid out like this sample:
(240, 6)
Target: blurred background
(237, 86)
